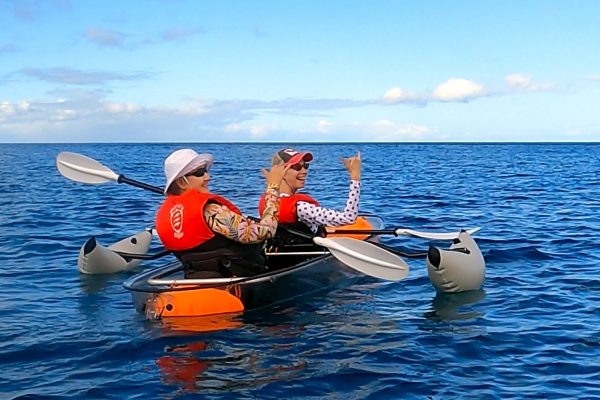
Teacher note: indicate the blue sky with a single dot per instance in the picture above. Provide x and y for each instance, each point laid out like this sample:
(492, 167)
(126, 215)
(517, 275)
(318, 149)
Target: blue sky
(298, 71)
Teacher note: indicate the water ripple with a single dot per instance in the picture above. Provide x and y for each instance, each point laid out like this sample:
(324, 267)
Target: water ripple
(533, 331)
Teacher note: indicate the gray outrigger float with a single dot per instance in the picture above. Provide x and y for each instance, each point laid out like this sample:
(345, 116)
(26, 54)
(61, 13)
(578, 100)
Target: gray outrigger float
(97, 259)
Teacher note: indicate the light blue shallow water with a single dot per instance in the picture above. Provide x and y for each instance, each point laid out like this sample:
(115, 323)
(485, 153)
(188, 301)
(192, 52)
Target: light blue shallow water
(533, 331)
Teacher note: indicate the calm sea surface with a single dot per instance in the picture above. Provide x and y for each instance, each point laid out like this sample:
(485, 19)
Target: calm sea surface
(533, 331)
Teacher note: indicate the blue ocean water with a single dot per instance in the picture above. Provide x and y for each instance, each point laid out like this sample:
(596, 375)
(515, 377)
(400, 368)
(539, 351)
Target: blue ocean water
(533, 331)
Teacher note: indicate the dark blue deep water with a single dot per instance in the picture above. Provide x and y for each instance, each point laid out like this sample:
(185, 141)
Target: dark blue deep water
(533, 331)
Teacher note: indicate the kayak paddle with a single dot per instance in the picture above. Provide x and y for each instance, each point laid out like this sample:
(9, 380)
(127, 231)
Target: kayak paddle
(80, 168)
(365, 257)
(406, 232)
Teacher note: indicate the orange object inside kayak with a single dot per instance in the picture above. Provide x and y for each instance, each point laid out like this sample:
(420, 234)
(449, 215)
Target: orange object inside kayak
(361, 224)
(187, 303)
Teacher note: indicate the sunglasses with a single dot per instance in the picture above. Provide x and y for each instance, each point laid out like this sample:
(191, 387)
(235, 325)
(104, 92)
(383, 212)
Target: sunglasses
(298, 167)
(199, 173)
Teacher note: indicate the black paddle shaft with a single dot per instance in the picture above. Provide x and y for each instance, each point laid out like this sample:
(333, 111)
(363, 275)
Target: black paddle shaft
(132, 182)
(366, 231)
(143, 256)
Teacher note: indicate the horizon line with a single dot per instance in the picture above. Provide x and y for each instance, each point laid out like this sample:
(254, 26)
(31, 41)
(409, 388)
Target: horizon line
(312, 143)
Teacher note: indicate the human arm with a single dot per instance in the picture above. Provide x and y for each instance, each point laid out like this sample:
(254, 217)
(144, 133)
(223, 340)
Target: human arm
(234, 226)
(315, 216)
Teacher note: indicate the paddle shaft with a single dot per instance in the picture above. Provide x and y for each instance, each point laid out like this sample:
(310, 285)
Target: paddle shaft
(143, 256)
(142, 185)
(409, 232)
(294, 253)
(366, 231)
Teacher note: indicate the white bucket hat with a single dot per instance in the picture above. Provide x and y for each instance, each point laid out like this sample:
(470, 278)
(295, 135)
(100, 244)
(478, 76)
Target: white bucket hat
(182, 162)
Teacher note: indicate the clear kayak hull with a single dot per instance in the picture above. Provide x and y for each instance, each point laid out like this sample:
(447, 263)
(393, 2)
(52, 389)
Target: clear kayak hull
(163, 293)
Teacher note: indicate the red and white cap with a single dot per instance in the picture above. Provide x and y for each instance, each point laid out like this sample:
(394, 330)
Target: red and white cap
(291, 157)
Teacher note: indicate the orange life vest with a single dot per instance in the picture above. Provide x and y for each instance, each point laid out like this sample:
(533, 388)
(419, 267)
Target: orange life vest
(287, 206)
(180, 220)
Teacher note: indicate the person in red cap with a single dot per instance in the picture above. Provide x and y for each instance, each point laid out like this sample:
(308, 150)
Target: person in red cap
(206, 231)
(301, 211)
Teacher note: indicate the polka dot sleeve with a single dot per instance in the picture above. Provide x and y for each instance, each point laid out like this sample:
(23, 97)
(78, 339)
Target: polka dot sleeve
(314, 216)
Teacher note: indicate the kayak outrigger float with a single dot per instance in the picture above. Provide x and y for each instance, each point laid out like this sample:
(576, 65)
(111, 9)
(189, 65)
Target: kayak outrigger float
(344, 254)
(97, 259)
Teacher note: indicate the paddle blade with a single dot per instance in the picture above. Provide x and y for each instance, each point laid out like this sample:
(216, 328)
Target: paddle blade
(366, 257)
(80, 168)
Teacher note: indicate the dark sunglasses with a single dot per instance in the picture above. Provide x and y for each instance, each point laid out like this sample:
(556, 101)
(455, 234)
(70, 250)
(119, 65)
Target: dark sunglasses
(298, 167)
(199, 173)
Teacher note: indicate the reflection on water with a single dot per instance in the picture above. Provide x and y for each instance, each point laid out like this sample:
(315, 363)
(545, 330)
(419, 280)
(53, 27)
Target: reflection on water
(218, 364)
(181, 367)
(92, 284)
(453, 306)
(210, 323)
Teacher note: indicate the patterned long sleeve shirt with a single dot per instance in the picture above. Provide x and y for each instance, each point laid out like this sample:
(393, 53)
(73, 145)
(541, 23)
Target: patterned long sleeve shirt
(315, 216)
(234, 226)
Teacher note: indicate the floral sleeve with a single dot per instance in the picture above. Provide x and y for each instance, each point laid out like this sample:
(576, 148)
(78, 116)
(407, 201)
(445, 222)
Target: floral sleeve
(222, 220)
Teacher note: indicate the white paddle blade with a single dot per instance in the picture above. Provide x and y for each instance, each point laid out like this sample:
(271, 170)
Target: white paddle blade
(366, 257)
(433, 235)
(80, 168)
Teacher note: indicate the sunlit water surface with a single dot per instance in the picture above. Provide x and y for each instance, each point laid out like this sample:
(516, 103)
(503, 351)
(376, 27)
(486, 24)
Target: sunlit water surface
(532, 331)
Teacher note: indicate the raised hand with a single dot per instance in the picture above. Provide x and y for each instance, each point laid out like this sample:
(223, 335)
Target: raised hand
(275, 174)
(353, 165)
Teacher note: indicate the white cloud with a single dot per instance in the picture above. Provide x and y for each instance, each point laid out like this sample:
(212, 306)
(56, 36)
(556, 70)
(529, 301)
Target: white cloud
(518, 80)
(116, 108)
(260, 130)
(526, 83)
(235, 128)
(6, 109)
(593, 77)
(457, 89)
(255, 130)
(398, 95)
(80, 115)
(324, 126)
(64, 115)
(9, 109)
(385, 130)
(377, 131)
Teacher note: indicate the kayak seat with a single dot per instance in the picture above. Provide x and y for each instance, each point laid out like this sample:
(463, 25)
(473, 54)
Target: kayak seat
(220, 263)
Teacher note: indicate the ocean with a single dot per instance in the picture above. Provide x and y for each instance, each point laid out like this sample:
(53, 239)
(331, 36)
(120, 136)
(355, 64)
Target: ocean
(532, 331)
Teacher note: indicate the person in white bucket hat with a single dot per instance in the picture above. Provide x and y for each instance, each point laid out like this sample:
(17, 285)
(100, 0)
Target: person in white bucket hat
(207, 232)
(182, 162)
